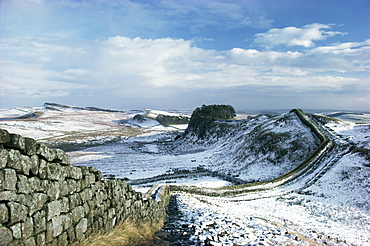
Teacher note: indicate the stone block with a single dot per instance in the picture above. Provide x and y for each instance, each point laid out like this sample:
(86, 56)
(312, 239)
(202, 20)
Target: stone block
(2, 179)
(45, 152)
(9, 179)
(74, 200)
(61, 157)
(71, 233)
(25, 164)
(14, 160)
(34, 164)
(56, 226)
(63, 239)
(23, 185)
(16, 141)
(64, 205)
(30, 241)
(8, 196)
(4, 214)
(78, 213)
(86, 194)
(41, 239)
(17, 211)
(4, 136)
(73, 186)
(17, 230)
(42, 169)
(81, 228)
(53, 190)
(6, 235)
(4, 156)
(27, 227)
(67, 221)
(53, 209)
(55, 171)
(39, 222)
(74, 172)
(31, 146)
(35, 183)
(37, 202)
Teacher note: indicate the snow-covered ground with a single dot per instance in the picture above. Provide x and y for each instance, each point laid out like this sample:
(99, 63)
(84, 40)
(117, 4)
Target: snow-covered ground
(334, 210)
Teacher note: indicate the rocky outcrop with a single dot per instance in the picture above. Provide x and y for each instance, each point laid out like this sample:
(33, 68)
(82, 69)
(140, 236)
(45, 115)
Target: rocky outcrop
(202, 119)
(46, 201)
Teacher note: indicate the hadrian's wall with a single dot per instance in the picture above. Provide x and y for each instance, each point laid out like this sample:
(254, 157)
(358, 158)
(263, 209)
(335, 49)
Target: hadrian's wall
(46, 201)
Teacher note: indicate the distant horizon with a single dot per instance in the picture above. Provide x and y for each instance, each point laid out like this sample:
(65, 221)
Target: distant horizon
(238, 110)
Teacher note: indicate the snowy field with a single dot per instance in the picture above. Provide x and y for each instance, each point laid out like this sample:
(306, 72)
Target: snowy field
(334, 210)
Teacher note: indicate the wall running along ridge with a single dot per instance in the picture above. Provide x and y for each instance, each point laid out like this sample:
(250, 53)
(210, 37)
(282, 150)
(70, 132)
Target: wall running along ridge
(46, 201)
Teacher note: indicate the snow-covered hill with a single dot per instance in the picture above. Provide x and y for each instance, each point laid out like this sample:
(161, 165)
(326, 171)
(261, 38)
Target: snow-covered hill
(333, 210)
(243, 148)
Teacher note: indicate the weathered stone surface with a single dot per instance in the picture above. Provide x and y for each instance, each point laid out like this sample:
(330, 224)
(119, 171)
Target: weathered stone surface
(17, 230)
(18, 212)
(8, 196)
(41, 239)
(74, 173)
(78, 213)
(3, 157)
(27, 227)
(61, 157)
(25, 164)
(53, 190)
(73, 186)
(37, 202)
(10, 179)
(81, 228)
(14, 160)
(4, 136)
(55, 171)
(64, 205)
(6, 236)
(86, 195)
(45, 152)
(34, 164)
(2, 179)
(31, 146)
(4, 214)
(35, 183)
(67, 221)
(42, 168)
(53, 209)
(30, 242)
(74, 200)
(56, 226)
(16, 141)
(23, 186)
(39, 222)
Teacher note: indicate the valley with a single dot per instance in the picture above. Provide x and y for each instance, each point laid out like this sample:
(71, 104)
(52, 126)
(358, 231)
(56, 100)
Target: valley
(259, 180)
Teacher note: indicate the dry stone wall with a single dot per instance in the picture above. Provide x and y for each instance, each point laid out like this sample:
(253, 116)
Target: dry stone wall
(46, 201)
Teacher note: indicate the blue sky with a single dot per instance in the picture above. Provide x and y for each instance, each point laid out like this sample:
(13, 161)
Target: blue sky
(132, 54)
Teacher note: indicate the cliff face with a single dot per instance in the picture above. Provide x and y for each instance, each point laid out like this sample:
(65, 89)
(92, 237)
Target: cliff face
(202, 119)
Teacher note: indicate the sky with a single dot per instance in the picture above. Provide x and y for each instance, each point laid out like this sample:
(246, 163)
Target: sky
(181, 54)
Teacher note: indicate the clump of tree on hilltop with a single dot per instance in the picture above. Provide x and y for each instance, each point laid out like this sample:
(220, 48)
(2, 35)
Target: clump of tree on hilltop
(202, 118)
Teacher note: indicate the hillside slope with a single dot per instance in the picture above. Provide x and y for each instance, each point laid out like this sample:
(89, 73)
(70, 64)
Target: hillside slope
(256, 149)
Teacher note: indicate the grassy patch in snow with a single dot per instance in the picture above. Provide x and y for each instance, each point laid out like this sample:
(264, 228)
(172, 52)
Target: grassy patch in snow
(125, 234)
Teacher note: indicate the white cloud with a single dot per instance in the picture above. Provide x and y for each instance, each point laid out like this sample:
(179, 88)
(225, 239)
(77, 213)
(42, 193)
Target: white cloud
(138, 69)
(30, 80)
(293, 36)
